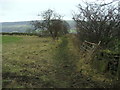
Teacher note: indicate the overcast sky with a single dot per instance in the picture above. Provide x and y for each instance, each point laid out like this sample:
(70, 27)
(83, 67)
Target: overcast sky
(26, 10)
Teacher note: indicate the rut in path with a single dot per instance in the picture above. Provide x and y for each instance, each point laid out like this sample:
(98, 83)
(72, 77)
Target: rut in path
(64, 64)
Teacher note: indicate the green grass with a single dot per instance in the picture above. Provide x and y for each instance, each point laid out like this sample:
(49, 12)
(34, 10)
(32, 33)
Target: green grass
(26, 63)
(73, 31)
(40, 62)
(10, 39)
(37, 62)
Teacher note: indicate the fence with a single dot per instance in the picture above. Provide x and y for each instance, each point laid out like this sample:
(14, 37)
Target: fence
(89, 49)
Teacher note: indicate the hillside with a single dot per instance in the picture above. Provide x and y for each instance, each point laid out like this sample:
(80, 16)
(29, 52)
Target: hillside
(16, 26)
(24, 25)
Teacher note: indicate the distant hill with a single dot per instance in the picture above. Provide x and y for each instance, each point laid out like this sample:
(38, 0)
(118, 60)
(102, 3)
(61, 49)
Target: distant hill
(71, 23)
(24, 26)
(16, 26)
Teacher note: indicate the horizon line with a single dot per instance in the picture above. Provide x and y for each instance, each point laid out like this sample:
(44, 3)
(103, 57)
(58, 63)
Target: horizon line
(29, 20)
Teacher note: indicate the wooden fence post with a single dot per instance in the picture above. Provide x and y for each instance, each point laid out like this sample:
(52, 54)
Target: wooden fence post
(118, 72)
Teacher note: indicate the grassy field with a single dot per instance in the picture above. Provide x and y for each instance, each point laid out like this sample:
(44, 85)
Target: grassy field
(26, 60)
(34, 62)
(10, 39)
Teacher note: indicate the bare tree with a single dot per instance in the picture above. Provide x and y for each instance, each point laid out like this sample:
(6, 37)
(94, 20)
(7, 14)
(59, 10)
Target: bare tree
(53, 23)
(97, 22)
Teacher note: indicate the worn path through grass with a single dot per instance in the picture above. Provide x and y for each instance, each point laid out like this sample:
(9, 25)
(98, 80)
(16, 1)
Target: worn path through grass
(64, 64)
